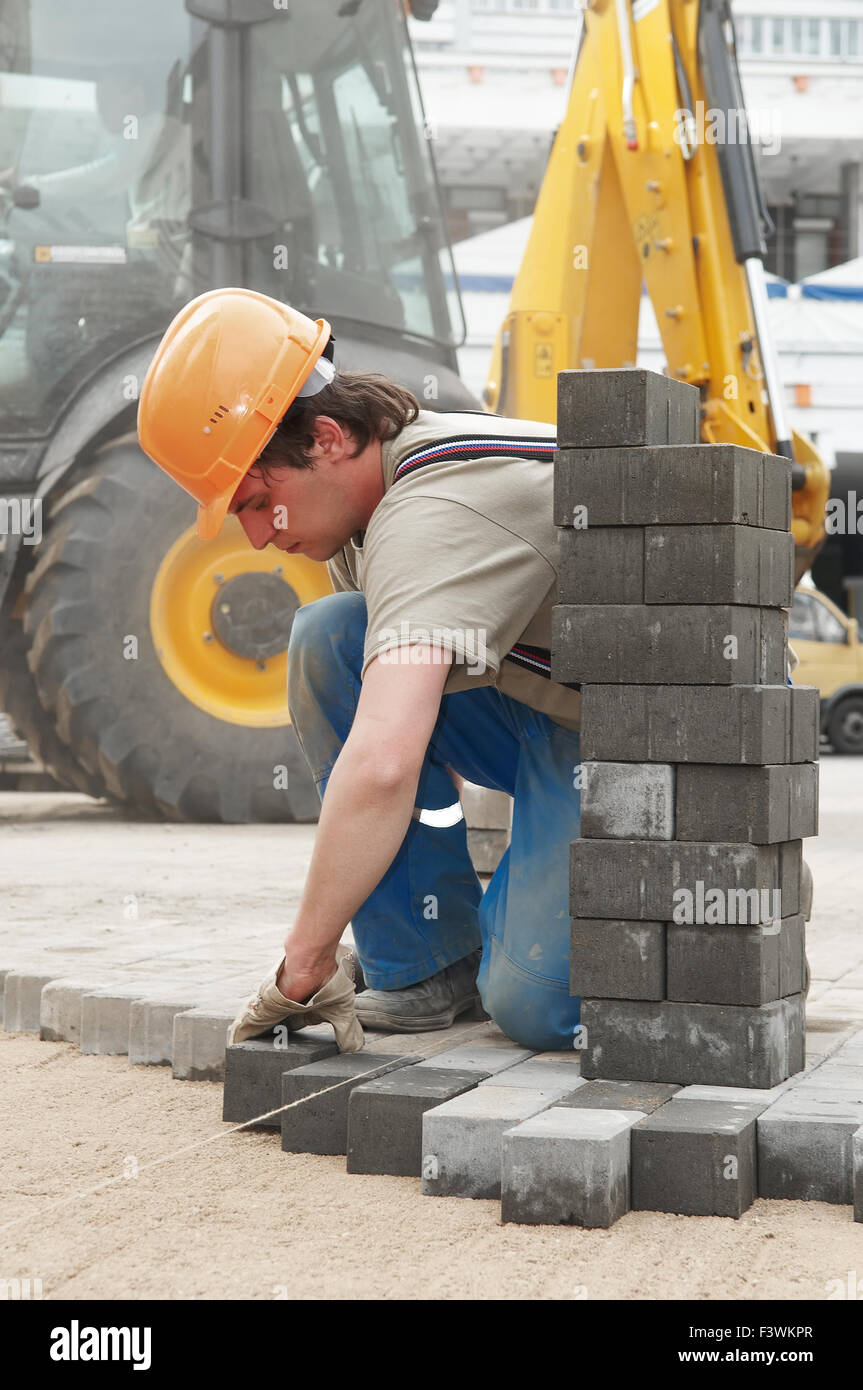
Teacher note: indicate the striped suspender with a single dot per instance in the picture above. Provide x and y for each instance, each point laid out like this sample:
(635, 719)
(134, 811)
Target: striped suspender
(472, 446)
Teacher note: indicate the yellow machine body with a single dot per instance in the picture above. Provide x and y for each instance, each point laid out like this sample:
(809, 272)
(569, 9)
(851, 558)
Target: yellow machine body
(619, 205)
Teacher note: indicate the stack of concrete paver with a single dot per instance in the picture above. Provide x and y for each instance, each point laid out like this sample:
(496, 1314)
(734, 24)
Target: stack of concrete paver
(698, 782)
(699, 775)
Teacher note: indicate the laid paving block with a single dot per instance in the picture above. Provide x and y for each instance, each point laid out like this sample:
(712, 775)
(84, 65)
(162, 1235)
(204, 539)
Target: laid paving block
(684, 882)
(567, 1167)
(832, 1082)
(841, 1066)
(857, 1163)
(105, 1018)
(698, 1044)
(700, 724)
(556, 1073)
(697, 1159)
(200, 1038)
(151, 1029)
(385, 1117)
(320, 1126)
(254, 1070)
(760, 804)
(747, 1095)
(22, 1000)
(629, 801)
(676, 565)
(805, 1151)
(60, 1008)
(625, 405)
(645, 1096)
(617, 959)
(486, 1059)
(801, 1099)
(699, 484)
(462, 1139)
(635, 644)
(735, 965)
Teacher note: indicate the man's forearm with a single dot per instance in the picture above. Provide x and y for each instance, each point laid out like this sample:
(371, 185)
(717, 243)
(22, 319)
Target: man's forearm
(364, 818)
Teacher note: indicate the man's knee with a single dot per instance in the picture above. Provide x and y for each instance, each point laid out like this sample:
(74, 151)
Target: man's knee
(531, 1009)
(325, 636)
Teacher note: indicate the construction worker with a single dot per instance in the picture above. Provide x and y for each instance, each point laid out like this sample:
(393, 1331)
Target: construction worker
(428, 664)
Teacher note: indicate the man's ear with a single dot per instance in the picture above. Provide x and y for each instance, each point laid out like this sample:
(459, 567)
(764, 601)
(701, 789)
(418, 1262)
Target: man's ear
(329, 436)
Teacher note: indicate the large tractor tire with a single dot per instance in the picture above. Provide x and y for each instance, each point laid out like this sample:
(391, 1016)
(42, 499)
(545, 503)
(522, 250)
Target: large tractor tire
(19, 699)
(162, 658)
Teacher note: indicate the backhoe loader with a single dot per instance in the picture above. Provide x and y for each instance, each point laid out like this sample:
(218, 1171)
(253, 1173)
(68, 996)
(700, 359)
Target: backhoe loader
(652, 179)
(149, 152)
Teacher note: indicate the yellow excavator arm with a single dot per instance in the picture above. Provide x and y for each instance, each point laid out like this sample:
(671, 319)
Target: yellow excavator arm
(652, 178)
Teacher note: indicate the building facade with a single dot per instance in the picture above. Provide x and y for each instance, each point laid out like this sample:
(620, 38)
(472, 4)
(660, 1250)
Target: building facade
(495, 77)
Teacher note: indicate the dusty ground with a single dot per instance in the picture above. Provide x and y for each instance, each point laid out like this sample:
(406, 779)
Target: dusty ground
(239, 1219)
(236, 1218)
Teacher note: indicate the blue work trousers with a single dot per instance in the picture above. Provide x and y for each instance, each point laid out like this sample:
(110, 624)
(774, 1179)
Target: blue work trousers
(429, 909)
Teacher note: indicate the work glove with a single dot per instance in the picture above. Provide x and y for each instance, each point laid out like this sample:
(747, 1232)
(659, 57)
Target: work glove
(332, 1003)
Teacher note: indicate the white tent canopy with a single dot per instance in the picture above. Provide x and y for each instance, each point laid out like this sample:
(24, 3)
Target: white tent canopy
(819, 340)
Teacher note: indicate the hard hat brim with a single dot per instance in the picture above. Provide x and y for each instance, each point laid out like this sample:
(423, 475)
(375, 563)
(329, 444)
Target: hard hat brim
(211, 518)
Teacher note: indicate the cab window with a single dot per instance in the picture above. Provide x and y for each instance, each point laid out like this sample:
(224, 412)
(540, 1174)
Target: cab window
(802, 619)
(811, 621)
(828, 625)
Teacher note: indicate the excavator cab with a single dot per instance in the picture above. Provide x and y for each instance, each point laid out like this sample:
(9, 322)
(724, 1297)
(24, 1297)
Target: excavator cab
(149, 153)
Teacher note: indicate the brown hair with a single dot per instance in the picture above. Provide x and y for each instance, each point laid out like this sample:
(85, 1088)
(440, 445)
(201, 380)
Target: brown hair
(366, 404)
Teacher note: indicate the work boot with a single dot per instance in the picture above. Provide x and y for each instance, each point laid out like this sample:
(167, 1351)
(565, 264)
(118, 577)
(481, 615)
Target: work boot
(423, 1007)
(333, 1003)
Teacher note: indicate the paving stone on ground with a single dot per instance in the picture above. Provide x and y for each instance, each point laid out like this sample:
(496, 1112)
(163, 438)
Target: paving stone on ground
(645, 1096)
(385, 1116)
(805, 1149)
(22, 999)
(151, 1027)
(254, 1069)
(696, 1158)
(489, 1055)
(568, 1167)
(320, 1124)
(60, 1006)
(199, 1042)
(461, 1140)
(556, 1073)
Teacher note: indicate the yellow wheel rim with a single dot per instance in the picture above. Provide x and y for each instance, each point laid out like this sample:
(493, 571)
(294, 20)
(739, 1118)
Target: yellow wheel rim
(191, 604)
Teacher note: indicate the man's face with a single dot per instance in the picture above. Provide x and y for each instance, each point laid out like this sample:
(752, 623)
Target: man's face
(308, 511)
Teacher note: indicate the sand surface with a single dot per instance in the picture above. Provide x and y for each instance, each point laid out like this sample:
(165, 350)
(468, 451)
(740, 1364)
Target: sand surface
(238, 1219)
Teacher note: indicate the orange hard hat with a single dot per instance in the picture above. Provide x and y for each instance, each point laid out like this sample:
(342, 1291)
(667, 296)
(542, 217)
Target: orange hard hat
(227, 369)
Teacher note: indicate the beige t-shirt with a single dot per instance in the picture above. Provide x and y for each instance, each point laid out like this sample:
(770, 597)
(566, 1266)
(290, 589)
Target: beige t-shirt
(461, 551)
